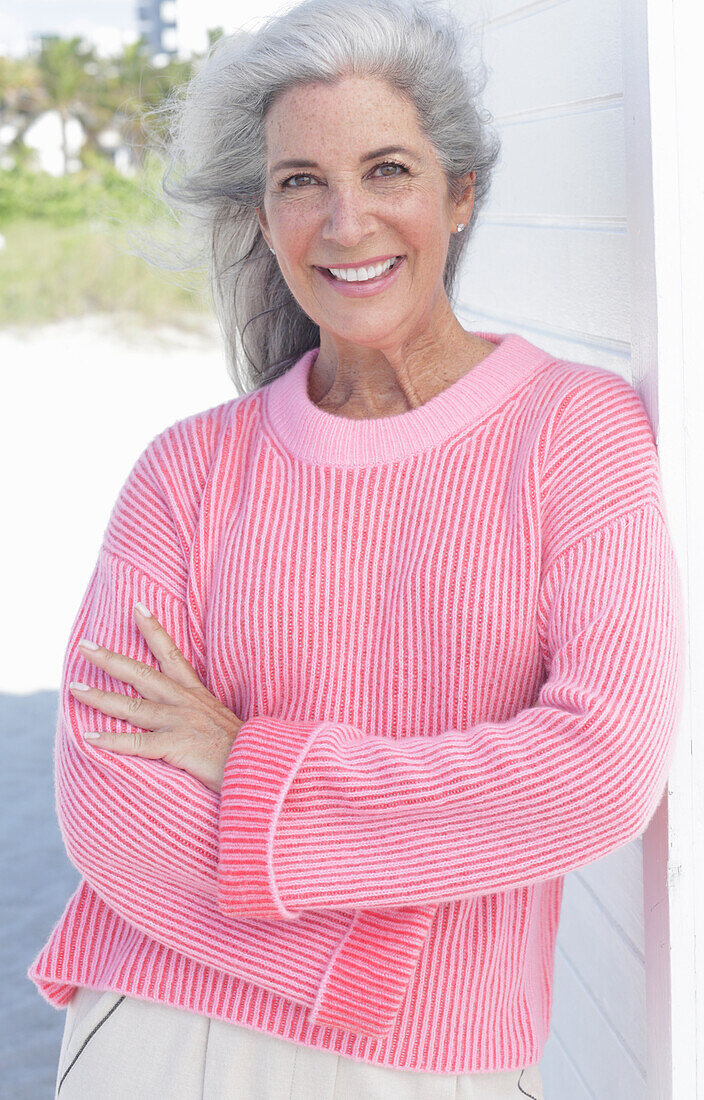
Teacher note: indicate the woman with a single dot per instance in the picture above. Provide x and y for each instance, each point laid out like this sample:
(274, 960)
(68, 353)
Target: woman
(415, 646)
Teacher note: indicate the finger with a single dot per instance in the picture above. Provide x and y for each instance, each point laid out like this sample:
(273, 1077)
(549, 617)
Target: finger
(133, 709)
(150, 746)
(171, 660)
(149, 681)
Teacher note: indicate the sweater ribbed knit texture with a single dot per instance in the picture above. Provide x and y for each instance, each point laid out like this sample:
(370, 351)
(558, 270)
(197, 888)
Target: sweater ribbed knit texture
(456, 639)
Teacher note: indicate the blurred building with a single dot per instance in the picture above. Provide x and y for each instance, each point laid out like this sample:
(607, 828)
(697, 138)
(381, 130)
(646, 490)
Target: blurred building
(157, 24)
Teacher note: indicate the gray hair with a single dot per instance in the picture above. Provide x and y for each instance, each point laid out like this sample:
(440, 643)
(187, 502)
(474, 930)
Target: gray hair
(215, 174)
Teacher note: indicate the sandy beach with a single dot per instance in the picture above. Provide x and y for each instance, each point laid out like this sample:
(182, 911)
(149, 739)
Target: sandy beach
(82, 398)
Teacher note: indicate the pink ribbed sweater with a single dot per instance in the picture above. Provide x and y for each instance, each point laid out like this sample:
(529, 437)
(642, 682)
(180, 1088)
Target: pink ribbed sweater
(456, 639)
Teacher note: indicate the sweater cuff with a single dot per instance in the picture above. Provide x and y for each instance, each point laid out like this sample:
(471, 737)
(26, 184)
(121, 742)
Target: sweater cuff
(369, 974)
(263, 761)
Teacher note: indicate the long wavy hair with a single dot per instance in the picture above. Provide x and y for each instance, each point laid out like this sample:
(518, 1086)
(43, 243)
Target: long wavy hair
(212, 139)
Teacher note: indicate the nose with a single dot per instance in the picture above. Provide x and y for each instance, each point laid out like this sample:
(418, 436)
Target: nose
(347, 221)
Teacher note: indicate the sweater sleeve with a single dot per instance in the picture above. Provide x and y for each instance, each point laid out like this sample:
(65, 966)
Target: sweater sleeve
(339, 817)
(142, 833)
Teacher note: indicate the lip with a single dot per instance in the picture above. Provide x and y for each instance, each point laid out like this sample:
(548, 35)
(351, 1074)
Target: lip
(369, 286)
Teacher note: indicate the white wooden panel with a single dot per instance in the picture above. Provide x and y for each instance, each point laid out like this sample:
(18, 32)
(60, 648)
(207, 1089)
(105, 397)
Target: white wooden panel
(565, 53)
(606, 1068)
(569, 166)
(507, 11)
(616, 882)
(574, 279)
(607, 965)
(560, 1075)
(553, 340)
(669, 279)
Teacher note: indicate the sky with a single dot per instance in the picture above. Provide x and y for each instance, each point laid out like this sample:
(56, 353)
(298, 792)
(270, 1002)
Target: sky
(110, 23)
(105, 20)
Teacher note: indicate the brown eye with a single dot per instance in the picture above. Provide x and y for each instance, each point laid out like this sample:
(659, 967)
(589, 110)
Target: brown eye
(300, 176)
(392, 164)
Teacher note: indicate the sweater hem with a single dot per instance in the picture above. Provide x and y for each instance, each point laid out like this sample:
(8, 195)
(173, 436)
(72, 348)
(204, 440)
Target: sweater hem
(285, 1020)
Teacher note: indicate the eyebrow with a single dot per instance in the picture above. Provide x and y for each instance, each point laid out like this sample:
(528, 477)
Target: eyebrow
(384, 151)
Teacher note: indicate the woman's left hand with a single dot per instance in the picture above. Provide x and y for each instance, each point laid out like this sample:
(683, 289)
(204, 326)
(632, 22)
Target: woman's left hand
(188, 727)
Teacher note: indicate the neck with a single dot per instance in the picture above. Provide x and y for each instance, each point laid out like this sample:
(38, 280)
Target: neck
(362, 382)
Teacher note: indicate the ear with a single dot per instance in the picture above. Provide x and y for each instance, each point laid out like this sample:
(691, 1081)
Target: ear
(463, 209)
(263, 225)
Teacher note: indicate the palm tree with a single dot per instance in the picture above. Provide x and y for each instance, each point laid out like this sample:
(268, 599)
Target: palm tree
(62, 64)
(21, 100)
(136, 88)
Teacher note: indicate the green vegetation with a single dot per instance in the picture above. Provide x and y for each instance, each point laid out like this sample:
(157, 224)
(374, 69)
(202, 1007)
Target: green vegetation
(90, 193)
(67, 252)
(48, 272)
(68, 240)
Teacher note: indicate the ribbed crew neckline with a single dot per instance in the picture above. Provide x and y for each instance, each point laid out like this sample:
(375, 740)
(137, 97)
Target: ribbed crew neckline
(317, 436)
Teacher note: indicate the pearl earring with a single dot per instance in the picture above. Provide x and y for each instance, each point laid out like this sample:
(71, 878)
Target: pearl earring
(271, 249)
(461, 226)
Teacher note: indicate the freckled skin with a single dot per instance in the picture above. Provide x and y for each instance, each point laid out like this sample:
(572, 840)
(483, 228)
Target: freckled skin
(392, 351)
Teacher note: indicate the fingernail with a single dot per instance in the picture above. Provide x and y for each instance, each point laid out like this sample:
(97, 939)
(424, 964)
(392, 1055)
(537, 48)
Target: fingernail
(143, 610)
(91, 733)
(78, 686)
(88, 644)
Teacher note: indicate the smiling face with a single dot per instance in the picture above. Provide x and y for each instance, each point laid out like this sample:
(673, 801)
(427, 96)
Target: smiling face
(366, 188)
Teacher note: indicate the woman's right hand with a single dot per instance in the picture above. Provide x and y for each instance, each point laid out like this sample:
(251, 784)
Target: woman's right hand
(179, 720)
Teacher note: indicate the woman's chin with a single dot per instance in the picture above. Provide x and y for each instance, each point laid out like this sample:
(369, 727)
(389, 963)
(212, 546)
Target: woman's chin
(363, 335)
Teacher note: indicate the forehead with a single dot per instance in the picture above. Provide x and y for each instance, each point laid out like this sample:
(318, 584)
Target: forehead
(312, 119)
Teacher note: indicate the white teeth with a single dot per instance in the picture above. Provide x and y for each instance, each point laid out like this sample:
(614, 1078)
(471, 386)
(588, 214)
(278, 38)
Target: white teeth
(361, 274)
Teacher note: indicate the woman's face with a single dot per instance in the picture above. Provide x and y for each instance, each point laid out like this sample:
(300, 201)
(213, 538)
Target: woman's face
(352, 180)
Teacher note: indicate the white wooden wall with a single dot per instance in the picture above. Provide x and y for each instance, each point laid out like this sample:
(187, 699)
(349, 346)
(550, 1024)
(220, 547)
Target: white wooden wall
(552, 258)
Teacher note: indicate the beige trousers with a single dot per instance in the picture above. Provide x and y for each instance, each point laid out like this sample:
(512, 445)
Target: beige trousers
(118, 1047)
